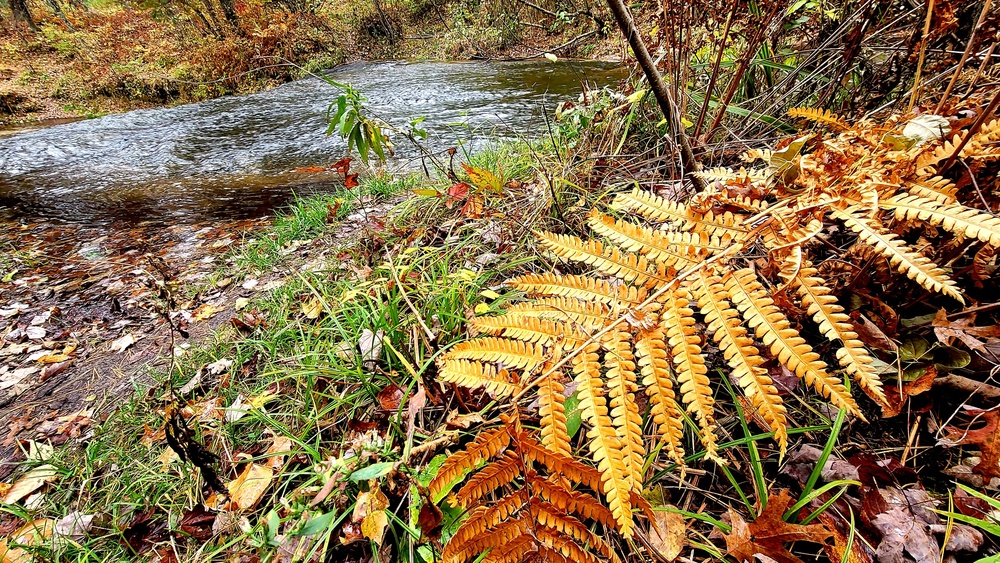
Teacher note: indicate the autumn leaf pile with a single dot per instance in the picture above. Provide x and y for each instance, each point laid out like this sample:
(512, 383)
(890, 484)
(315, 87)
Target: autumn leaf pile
(739, 259)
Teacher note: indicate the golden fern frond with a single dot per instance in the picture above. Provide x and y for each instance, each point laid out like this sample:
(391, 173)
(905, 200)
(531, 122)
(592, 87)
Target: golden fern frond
(486, 445)
(651, 349)
(605, 447)
(739, 352)
(590, 315)
(490, 478)
(507, 533)
(509, 353)
(560, 544)
(513, 551)
(698, 244)
(573, 502)
(723, 174)
(552, 412)
(579, 287)
(652, 243)
(836, 325)
(683, 217)
(744, 202)
(909, 262)
(532, 329)
(620, 375)
(955, 217)
(785, 343)
(691, 371)
(927, 160)
(753, 155)
(479, 520)
(474, 374)
(611, 261)
(824, 117)
(937, 188)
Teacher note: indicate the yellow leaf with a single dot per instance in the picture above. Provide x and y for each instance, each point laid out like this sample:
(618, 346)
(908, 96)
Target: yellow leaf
(249, 487)
(489, 294)
(370, 511)
(204, 312)
(551, 57)
(482, 308)
(667, 535)
(428, 193)
(312, 308)
(53, 358)
(636, 96)
(483, 179)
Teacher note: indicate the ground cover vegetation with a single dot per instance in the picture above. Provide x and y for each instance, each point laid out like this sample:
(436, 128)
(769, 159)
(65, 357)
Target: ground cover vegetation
(742, 309)
(63, 59)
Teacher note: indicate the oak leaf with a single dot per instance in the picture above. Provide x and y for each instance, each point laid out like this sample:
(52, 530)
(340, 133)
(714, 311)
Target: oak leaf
(768, 534)
(988, 440)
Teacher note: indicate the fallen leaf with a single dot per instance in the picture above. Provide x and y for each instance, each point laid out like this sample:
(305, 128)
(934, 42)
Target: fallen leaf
(204, 312)
(459, 191)
(14, 377)
(74, 526)
(31, 534)
(218, 367)
(900, 531)
(391, 397)
(370, 345)
(198, 523)
(987, 438)
(369, 511)
(896, 396)
(122, 343)
(30, 482)
(768, 534)
(668, 534)
(483, 179)
(312, 308)
(249, 487)
(464, 421)
(280, 447)
(52, 358)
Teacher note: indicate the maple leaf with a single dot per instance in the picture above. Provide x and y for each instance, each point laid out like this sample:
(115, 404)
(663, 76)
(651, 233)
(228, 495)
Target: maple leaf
(988, 440)
(768, 534)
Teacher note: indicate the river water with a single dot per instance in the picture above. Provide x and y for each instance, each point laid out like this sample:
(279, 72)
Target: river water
(236, 157)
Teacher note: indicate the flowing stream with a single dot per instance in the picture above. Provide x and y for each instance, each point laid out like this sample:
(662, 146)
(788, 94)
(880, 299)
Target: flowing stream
(236, 157)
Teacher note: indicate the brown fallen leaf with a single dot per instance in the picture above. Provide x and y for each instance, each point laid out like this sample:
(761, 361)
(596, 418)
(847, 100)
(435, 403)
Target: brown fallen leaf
(896, 397)
(280, 447)
(249, 487)
(122, 343)
(463, 421)
(987, 438)
(30, 482)
(369, 511)
(391, 397)
(198, 523)
(31, 534)
(668, 534)
(768, 534)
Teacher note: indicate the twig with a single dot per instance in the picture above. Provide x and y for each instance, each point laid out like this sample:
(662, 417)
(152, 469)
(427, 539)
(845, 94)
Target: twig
(976, 126)
(964, 384)
(965, 56)
(915, 93)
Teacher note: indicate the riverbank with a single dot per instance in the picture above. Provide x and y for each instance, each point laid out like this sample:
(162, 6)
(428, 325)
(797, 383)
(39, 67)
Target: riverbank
(74, 66)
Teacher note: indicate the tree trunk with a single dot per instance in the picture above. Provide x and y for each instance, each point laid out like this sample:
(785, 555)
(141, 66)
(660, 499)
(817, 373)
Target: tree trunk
(659, 88)
(20, 10)
(229, 10)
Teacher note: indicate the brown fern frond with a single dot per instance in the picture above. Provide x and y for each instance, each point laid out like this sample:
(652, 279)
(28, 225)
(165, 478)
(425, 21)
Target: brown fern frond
(652, 243)
(509, 353)
(937, 188)
(823, 117)
(746, 203)
(579, 287)
(753, 155)
(651, 349)
(505, 533)
(683, 217)
(481, 519)
(486, 445)
(490, 478)
(513, 551)
(557, 464)
(605, 446)
(954, 217)
(909, 262)
(691, 371)
(785, 343)
(473, 374)
(573, 502)
(620, 375)
(983, 265)
(590, 316)
(553, 518)
(552, 411)
(836, 325)
(562, 545)
(740, 353)
(532, 329)
(630, 267)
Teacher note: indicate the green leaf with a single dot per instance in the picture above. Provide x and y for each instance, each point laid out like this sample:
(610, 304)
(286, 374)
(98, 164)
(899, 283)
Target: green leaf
(428, 473)
(949, 358)
(574, 414)
(373, 471)
(316, 524)
(918, 321)
(428, 193)
(913, 349)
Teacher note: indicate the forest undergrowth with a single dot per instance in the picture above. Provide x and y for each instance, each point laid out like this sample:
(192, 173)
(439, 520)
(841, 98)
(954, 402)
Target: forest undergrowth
(575, 349)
